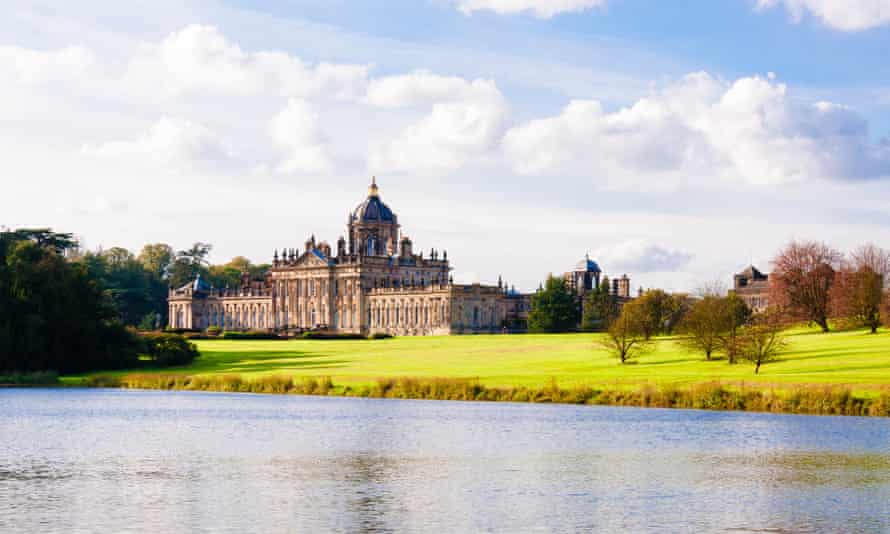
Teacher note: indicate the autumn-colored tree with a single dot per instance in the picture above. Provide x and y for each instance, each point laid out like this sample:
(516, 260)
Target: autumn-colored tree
(801, 281)
(705, 323)
(858, 291)
(626, 338)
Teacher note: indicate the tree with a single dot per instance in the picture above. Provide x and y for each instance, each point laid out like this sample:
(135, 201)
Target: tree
(858, 290)
(157, 258)
(738, 314)
(705, 323)
(53, 314)
(803, 273)
(45, 238)
(661, 311)
(187, 264)
(600, 308)
(626, 338)
(553, 308)
(229, 274)
(762, 341)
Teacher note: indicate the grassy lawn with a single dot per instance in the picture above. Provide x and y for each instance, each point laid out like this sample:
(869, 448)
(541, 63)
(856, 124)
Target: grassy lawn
(854, 358)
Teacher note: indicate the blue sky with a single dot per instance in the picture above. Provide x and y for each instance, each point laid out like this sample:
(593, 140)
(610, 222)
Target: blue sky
(674, 141)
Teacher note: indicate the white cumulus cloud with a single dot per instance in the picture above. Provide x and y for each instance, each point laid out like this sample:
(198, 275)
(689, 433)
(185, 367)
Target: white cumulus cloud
(466, 119)
(200, 58)
(168, 142)
(544, 9)
(845, 15)
(296, 130)
(641, 256)
(27, 66)
(701, 129)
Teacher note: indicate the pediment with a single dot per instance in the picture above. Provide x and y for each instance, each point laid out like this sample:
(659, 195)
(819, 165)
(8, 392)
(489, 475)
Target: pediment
(311, 259)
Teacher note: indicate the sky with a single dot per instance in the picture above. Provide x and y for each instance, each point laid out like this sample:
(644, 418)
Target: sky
(676, 142)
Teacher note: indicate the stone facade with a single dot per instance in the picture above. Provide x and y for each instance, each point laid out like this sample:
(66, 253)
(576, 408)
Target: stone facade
(373, 282)
(753, 287)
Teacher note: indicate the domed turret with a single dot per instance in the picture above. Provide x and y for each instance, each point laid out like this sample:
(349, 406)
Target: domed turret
(587, 265)
(373, 209)
(372, 226)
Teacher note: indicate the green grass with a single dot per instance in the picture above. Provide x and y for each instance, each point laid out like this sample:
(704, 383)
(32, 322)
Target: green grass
(855, 359)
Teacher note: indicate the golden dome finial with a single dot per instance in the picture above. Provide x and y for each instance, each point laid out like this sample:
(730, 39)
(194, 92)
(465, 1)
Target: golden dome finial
(372, 189)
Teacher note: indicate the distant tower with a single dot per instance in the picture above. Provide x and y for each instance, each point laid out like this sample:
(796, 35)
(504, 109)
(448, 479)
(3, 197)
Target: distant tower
(372, 225)
(405, 247)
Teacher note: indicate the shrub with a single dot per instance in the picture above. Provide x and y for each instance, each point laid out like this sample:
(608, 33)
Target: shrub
(37, 378)
(329, 335)
(181, 330)
(252, 334)
(380, 335)
(167, 350)
(214, 331)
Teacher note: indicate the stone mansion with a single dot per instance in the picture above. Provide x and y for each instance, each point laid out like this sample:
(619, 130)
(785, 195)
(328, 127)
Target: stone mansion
(373, 282)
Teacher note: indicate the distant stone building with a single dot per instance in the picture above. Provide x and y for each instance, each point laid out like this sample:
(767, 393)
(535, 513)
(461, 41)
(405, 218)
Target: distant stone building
(752, 286)
(372, 282)
(587, 276)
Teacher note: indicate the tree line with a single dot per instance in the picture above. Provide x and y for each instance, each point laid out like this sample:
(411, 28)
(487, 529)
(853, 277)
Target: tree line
(810, 282)
(69, 310)
(138, 283)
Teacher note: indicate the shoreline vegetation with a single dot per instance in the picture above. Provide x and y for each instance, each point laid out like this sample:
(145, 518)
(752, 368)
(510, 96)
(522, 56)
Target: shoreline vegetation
(791, 399)
(841, 373)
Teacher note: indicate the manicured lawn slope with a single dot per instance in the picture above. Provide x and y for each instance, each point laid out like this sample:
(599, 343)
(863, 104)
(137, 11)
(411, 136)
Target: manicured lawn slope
(855, 358)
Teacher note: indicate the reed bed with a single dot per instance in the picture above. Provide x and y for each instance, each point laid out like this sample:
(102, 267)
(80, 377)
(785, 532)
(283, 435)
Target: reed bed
(798, 399)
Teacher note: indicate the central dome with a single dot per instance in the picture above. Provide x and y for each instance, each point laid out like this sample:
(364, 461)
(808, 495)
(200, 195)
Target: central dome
(587, 265)
(373, 209)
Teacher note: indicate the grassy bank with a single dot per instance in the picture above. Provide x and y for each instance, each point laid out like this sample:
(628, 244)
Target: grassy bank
(815, 400)
(37, 378)
(850, 369)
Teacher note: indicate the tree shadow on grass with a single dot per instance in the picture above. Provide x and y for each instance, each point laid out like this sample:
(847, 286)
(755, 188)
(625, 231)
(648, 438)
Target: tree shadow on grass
(285, 366)
(816, 354)
(832, 369)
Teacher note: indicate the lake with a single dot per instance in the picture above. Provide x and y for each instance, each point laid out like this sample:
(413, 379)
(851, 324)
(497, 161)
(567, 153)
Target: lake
(89, 460)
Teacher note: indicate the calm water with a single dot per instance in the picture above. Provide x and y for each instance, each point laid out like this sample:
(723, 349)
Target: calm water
(131, 461)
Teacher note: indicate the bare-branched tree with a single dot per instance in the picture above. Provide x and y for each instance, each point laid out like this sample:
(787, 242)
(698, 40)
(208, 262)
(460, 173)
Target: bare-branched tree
(801, 281)
(858, 292)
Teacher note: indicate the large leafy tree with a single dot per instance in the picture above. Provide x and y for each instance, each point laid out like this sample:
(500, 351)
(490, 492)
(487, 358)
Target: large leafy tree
(53, 314)
(157, 258)
(703, 325)
(136, 292)
(189, 263)
(661, 311)
(553, 308)
(600, 308)
(712, 324)
(229, 274)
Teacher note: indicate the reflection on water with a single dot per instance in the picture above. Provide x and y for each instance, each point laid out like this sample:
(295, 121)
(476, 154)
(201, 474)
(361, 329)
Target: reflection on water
(129, 461)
